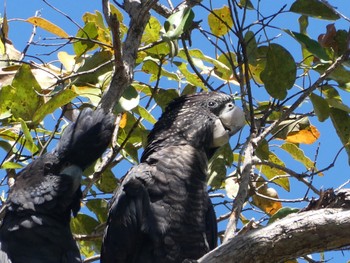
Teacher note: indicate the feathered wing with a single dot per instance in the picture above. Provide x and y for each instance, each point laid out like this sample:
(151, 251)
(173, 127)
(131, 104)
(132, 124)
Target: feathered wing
(39, 206)
(161, 213)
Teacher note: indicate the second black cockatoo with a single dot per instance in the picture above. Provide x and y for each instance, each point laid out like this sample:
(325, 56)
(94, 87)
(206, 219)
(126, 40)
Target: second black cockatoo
(161, 212)
(38, 209)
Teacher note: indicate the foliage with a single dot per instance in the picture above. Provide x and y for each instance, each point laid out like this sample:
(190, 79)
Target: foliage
(282, 76)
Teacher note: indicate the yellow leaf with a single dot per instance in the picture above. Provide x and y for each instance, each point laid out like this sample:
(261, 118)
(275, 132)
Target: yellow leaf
(307, 136)
(265, 204)
(123, 121)
(220, 21)
(48, 26)
(68, 61)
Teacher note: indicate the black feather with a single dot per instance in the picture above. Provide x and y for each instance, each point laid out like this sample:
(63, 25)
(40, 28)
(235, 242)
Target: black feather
(162, 211)
(36, 228)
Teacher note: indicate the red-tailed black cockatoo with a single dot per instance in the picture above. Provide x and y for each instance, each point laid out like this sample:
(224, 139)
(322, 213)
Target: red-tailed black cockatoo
(161, 212)
(38, 209)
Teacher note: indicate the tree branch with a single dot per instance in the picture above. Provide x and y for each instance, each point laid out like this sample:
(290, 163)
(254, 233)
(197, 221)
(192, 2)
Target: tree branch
(126, 54)
(291, 237)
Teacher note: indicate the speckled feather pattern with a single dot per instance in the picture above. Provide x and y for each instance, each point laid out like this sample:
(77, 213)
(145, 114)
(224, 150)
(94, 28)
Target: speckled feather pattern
(45, 194)
(162, 213)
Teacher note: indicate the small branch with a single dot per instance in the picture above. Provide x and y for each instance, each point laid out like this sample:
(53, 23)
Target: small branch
(242, 192)
(297, 176)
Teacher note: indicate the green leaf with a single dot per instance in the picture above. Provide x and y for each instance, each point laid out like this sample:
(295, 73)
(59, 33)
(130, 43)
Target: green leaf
(177, 23)
(340, 75)
(151, 66)
(83, 224)
(222, 66)
(220, 21)
(314, 8)
(298, 155)
(280, 72)
(341, 123)
(175, 26)
(307, 55)
(30, 145)
(129, 100)
(246, 4)
(89, 31)
(282, 213)
(262, 151)
(58, 100)
(311, 45)
(107, 183)
(99, 207)
(164, 97)
(141, 111)
(333, 98)
(90, 64)
(11, 165)
(251, 46)
(217, 173)
(22, 96)
(321, 107)
(270, 172)
(152, 31)
(190, 77)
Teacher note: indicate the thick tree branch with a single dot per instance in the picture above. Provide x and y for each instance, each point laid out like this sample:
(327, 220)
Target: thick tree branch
(291, 237)
(127, 53)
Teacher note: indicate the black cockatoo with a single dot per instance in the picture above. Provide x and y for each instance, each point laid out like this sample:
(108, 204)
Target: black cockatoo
(161, 212)
(36, 227)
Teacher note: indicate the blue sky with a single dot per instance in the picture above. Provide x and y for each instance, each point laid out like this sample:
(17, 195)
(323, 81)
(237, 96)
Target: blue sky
(329, 143)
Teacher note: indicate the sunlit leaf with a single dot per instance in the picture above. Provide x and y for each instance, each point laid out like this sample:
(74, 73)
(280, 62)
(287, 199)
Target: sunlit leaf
(92, 65)
(93, 94)
(141, 111)
(314, 8)
(280, 72)
(89, 31)
(129, 100)
(231, 187)
(29, 140)
(278, 176)
(152, 31)
(123, 120)
(68, 61)
(190, 77)
(308, 135)
(267, 205)
(58, 100)
(220, 21)
(262, 151)
(217, 173)
(321, 107)
(177, 23)
(11, 165)
(298, 155)
(22, 96)
(48, 26)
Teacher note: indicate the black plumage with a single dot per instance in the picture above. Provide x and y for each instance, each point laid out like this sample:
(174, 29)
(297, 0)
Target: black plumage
(162, 211)
(36, 227)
